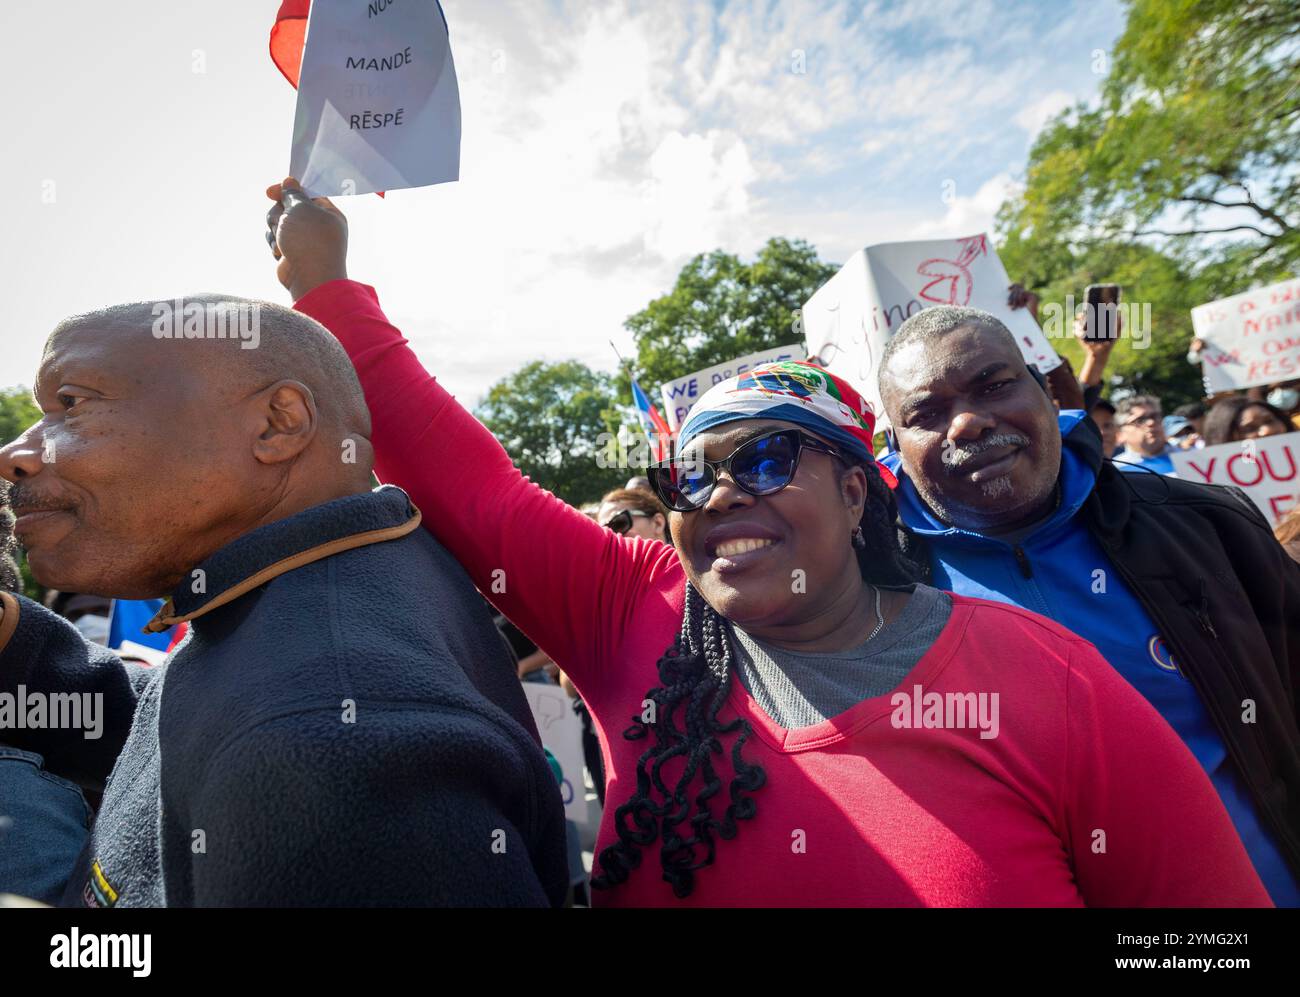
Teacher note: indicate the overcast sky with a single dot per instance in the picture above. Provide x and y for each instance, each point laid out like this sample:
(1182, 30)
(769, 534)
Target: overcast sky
(604, 144)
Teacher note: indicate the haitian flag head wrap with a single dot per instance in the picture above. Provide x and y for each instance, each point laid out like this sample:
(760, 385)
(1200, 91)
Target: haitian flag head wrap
(792, 391)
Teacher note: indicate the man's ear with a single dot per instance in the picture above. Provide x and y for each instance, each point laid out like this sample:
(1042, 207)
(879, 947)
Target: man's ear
(287, 412)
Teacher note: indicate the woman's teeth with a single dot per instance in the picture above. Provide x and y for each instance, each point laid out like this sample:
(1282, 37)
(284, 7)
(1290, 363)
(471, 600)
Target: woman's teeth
(733, 547)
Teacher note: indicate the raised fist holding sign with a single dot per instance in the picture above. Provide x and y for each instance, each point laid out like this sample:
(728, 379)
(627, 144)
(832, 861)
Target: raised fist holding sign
(309, 236)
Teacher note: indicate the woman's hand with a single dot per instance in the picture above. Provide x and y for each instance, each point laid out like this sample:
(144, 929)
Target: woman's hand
(309, 236)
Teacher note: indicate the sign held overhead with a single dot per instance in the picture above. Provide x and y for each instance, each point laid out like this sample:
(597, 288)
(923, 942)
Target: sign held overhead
(854, 314)
(378, 102)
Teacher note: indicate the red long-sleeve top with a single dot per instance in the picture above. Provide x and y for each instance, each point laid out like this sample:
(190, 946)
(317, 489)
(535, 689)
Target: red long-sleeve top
(1084, 797)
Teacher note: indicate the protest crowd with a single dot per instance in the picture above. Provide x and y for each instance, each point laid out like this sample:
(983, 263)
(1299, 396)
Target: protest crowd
(970, 634)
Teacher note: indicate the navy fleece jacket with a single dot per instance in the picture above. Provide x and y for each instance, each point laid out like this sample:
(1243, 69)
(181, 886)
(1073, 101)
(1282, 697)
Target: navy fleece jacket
(340, 727)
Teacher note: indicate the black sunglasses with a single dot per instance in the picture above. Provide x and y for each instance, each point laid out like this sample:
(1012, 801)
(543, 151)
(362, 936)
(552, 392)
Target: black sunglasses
(762, 466)
(621, 521)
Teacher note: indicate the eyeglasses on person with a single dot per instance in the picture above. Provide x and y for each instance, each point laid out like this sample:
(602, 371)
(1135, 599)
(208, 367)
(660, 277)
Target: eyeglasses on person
(762, 466)
(621, 521)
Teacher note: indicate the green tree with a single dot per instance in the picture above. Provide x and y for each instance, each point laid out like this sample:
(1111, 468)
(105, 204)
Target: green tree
(1151, 358)
(17, 412)
(1196, 138)
(555, 419)
(1183, 184)
(722, 307)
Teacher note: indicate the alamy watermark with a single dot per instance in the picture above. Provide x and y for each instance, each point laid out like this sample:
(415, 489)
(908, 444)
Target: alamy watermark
(919, 710)
(181, 319)
(1131, 318)
(23, 710)
(102, 951)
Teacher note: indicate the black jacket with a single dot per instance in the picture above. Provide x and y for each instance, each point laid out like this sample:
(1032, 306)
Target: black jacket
(1226, 598)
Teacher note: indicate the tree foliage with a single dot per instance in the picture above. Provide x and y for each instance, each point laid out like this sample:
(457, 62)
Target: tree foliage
(1183, 184)
(721, 308)
(552, 418)
(17, 412)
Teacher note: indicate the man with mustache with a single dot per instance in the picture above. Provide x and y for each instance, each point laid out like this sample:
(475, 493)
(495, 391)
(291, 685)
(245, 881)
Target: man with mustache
(1181, 586)
(341, 726)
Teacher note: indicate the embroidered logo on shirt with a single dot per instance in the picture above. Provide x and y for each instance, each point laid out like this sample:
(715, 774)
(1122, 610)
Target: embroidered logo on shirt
(99, 891)
(1161, 655)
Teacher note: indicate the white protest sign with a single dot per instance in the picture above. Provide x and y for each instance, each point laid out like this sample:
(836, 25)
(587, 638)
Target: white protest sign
(1251, 338)
(378, 105)
(679, 395)
(853, 315)
(1265, 468)
(561, 732)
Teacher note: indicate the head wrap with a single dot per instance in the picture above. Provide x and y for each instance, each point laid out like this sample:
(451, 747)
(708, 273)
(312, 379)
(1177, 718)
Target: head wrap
(792, 391)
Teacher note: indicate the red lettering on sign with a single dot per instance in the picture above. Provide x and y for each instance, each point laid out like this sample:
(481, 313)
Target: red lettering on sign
(1233, 474)
(1279, 513)
(1208, 473)
(1268, 466)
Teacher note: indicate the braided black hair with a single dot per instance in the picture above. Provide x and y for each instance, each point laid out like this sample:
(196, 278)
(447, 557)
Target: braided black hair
(696, 672)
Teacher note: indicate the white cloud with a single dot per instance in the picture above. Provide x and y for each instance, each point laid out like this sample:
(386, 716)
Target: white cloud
(603, 144)
(967, 215)
(1034, 115)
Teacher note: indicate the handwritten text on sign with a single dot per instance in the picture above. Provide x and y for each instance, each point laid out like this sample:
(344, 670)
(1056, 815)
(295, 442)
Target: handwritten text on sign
(1251, 338)
(1264, 468)
(854, 314)
(679, 395)
(378, 104)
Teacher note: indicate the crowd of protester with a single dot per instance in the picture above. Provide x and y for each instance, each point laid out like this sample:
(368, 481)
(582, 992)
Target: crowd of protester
(1137, 434)
(1013, 661)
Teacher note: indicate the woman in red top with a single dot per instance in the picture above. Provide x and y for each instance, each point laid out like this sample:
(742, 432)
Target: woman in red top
(783, 529)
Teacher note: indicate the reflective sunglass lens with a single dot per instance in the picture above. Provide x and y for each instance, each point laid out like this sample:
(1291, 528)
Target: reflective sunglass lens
(766, 465)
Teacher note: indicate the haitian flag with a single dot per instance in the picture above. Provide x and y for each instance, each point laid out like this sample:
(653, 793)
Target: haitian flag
(288, 37)
(652, 423)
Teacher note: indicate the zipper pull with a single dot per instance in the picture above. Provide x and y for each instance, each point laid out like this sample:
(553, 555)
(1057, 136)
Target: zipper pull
(1203, 614)
(1023, 560)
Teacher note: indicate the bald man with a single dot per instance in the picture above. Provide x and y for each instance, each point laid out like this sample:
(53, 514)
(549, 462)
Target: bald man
(340, 726)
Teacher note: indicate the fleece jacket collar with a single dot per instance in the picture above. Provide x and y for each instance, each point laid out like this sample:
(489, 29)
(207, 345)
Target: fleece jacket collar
(269, 551)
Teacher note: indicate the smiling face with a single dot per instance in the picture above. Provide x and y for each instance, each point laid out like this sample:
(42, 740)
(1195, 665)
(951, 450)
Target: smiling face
(977, 434)
(135, 470)
(772, 561)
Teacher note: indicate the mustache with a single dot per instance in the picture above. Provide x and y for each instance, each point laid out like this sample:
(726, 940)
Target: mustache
(956, 458)
(20, 496)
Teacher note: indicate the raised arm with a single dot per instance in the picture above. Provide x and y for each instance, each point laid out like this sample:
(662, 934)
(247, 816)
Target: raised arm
(569, 584)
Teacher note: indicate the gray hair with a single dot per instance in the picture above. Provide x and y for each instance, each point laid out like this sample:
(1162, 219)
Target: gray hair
(930, 324)
(1144, 401)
